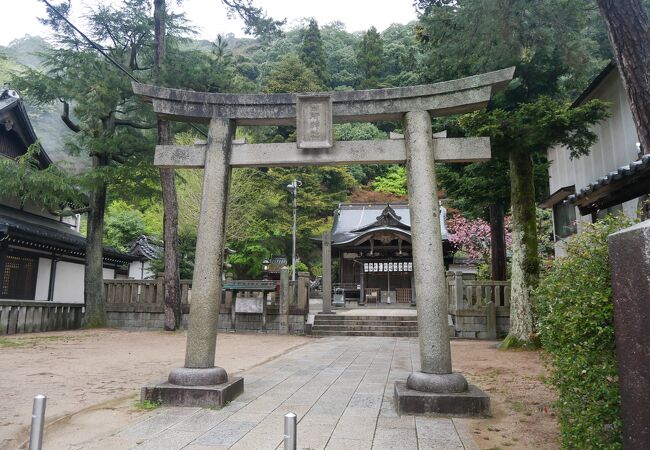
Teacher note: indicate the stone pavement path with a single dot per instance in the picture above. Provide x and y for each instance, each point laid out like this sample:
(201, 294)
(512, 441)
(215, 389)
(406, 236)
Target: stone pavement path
(341, 388)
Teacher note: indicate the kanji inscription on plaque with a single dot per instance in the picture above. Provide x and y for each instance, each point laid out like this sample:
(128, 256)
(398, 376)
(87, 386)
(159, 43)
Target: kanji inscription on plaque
(314, 121)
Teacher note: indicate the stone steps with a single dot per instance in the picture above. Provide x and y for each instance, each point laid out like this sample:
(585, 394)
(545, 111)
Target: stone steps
(366, 333)
(386, 326)
(353, 323)
(365, 327)
(342, 318)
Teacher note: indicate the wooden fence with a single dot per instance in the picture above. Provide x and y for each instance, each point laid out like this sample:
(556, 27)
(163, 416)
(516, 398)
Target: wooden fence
(28, 316)
(143, 293)
(464, 294)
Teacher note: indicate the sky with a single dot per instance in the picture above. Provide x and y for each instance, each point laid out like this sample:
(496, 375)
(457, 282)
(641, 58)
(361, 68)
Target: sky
(209, 16)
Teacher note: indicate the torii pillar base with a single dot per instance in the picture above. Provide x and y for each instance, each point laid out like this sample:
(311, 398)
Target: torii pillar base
(472, 402)
(207, 396)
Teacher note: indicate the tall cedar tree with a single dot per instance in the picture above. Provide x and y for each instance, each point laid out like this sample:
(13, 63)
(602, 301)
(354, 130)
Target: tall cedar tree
(312, 53)
(106, 118)
(474, 36)
(628, 28)
(370, 58)
(171, 276)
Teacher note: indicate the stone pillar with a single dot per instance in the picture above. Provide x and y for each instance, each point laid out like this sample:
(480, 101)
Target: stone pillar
(629, 254)
(327, 272)
(303, 291)
(228, 296)
(491, 321)
(200, 382)
(233, 310)
(459, 291)
(428, 264)
(362, 286)
(434, 389)
(284, 300)
(210, 242)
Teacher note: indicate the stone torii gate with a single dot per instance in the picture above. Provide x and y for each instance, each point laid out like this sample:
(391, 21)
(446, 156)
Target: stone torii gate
(435, 388)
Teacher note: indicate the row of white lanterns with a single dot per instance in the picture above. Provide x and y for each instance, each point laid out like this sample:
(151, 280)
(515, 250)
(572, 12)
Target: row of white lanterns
(388, 267)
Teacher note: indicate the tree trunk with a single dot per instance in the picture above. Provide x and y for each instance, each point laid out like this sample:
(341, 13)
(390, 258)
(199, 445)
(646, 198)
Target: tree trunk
(159, 24)
(628, 28)
(171, 278)
(525, 260)
(497, 242)
(95, 315)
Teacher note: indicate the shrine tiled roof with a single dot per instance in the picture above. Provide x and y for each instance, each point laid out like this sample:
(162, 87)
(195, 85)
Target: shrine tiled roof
(351, 221)
(617, 186)
(30, 230)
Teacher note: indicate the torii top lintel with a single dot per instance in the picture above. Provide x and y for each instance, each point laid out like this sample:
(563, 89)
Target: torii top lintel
(444, 98)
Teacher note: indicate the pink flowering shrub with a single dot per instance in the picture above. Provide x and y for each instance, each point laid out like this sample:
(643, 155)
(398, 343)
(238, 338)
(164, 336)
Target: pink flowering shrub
(473, 236)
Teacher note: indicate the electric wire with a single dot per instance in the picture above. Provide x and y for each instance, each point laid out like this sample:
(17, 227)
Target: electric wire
(102, 52)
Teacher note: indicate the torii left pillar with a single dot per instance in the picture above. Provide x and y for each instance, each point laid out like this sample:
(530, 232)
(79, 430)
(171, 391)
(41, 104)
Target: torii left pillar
(200, 382)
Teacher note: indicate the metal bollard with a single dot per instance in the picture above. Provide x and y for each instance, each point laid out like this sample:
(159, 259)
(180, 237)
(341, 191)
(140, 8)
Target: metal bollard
(290, 431)
(38, 420)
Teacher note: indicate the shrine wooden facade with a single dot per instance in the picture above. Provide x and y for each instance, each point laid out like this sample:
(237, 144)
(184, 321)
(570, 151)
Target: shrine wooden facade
(372, 243)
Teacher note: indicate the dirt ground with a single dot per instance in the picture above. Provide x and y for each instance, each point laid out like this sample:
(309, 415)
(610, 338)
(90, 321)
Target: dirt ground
(523, 416)
(92, 379)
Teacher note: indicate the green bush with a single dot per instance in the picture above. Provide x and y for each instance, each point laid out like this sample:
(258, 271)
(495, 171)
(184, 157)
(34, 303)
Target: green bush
(575, 324)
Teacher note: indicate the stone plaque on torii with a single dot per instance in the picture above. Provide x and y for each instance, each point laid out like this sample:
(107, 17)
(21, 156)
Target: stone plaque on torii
(435, 388)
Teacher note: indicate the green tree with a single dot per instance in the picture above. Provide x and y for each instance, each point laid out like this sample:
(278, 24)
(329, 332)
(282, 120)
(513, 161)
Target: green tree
(402, 55)
(341, 56)
(123, 225)
(256, 21)
(290, 74)
(312, 54)
(51, 188)
(99, 107)
(361, 132)
(520, 133)
(393, 182)
(370, 58)
(474, 36)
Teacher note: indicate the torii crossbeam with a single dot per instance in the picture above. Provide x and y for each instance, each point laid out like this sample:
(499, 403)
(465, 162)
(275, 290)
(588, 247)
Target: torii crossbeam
(426, 391)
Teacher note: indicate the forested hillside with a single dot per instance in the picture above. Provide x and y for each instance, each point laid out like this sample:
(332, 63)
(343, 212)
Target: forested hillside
(314, 57)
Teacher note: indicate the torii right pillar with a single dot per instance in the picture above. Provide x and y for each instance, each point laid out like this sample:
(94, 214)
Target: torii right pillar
(434, 389)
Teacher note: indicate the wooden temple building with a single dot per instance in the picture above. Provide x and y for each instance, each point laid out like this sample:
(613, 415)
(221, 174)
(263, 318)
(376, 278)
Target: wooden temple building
(372, 244)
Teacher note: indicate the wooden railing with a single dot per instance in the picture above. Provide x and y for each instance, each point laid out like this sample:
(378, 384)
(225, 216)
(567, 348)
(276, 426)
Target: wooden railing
(28, 316)
(148, 295)
(140, 292)
(465, 294)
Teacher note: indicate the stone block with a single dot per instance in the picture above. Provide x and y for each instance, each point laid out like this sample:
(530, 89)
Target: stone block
(629, 254)
(471, 403)
(198, 396)
(466, 334)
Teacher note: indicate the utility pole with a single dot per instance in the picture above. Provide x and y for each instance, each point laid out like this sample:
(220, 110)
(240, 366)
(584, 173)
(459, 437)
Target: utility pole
(293, 189)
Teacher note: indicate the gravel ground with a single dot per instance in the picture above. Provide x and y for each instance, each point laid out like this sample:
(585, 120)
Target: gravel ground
(83, 369)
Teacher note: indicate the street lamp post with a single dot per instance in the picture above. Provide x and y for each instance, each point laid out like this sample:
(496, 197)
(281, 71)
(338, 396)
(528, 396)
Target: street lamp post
(265, 269)
(293, 189)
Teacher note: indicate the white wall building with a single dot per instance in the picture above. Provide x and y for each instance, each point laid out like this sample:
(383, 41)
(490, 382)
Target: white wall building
(42, 256)
(613, 178)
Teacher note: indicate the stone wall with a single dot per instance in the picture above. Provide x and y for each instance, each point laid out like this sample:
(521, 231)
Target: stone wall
(473, 323)
(253, 322)
(141, 321)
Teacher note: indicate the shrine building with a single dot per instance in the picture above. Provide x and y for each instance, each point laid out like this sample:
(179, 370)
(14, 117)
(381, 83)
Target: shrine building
(372, 244)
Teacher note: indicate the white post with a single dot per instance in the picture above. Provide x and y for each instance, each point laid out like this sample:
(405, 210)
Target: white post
(290, 431)
(38, 420)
